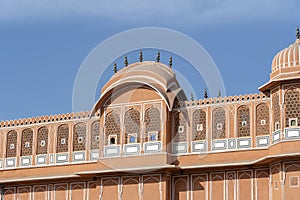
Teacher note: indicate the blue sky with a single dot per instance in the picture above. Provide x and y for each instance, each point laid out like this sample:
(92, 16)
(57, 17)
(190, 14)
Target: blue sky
(43, 43)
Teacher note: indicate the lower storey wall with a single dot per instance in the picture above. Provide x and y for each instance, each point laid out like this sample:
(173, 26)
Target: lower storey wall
(279, 181)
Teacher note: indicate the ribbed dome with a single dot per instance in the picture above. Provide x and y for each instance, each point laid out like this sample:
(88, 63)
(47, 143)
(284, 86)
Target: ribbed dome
(288, 57)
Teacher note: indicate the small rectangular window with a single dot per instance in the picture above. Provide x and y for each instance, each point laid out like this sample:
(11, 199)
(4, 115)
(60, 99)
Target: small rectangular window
(80, 140)
(219, 126)
(152, 136)
(263, 122)
(63, 141)
(43, 143)
(97, 138)
(199, 127)
(180, 129)
(293, 122)
(27, 144)
(112, 139)
(244, 123)
(294, 181)
(132, 138)
(276, 185)
(12, 146)
(276, 126)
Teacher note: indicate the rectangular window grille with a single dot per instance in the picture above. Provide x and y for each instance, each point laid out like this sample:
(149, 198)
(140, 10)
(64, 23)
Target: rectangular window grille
(293, 122)
(132, 138)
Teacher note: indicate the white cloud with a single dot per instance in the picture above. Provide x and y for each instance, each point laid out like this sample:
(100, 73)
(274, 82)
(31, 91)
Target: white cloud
(173, 11)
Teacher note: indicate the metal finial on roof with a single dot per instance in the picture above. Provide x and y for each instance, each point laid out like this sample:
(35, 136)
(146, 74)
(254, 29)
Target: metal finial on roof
(115, 68)
(297, 33)
(125, 61)
(219, 93)
(170, 61)
(158, 57)
(141, 56)
(192, 97)
(205, 94)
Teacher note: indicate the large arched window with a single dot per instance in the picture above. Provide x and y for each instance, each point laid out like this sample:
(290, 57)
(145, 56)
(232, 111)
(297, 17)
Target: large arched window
(112, 128)
(62, 139)
(219, 123)
(199, 125)
(292, 107)
(79, 137)
(180, 122)
(243, 121)
(276, 112)
(132, 126)
(26, 142)
(95, 135)
(11, 144)
(262, 119)
(42, 140)
(153, 124)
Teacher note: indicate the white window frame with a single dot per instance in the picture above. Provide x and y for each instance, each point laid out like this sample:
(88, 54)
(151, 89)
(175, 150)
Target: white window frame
(290, 181)
(27, 144)
(244, 123)
(180, 129)
(293, 119)
(43, 143)
(263, 122)
(97, 138)
(112, 136)
(132, 135)
(80, 140)
(152, 133)
(63, 141)
(199, 127)
(12, 146)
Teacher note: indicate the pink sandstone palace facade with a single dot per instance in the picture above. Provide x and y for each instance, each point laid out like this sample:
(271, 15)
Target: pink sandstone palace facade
(143, 141)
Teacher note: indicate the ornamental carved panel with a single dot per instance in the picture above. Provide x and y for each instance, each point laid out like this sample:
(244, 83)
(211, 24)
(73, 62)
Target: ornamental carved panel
(132, 123)
(152, 122)
(112, 126)
(11, 144)
(26, 142)
(62, 139)
(199, 125)
(95, 135)
(219, 123)
(180, 122)
(243, 122)
(79, 137)
(262, 119)
(42, 140)
(292, 106)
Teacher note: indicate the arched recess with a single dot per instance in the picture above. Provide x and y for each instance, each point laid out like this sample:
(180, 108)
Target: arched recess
(199, 125)
(112, 128)
(62, 138)
(292, 107)
(243, 121)
(152, 124)
(180, 126)
(219, 123)
(26, 142)
(79, 137)
(276, 112)
(95, 135)
(42, 141)
(11, 144)
(262, 119)
(132, 126)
